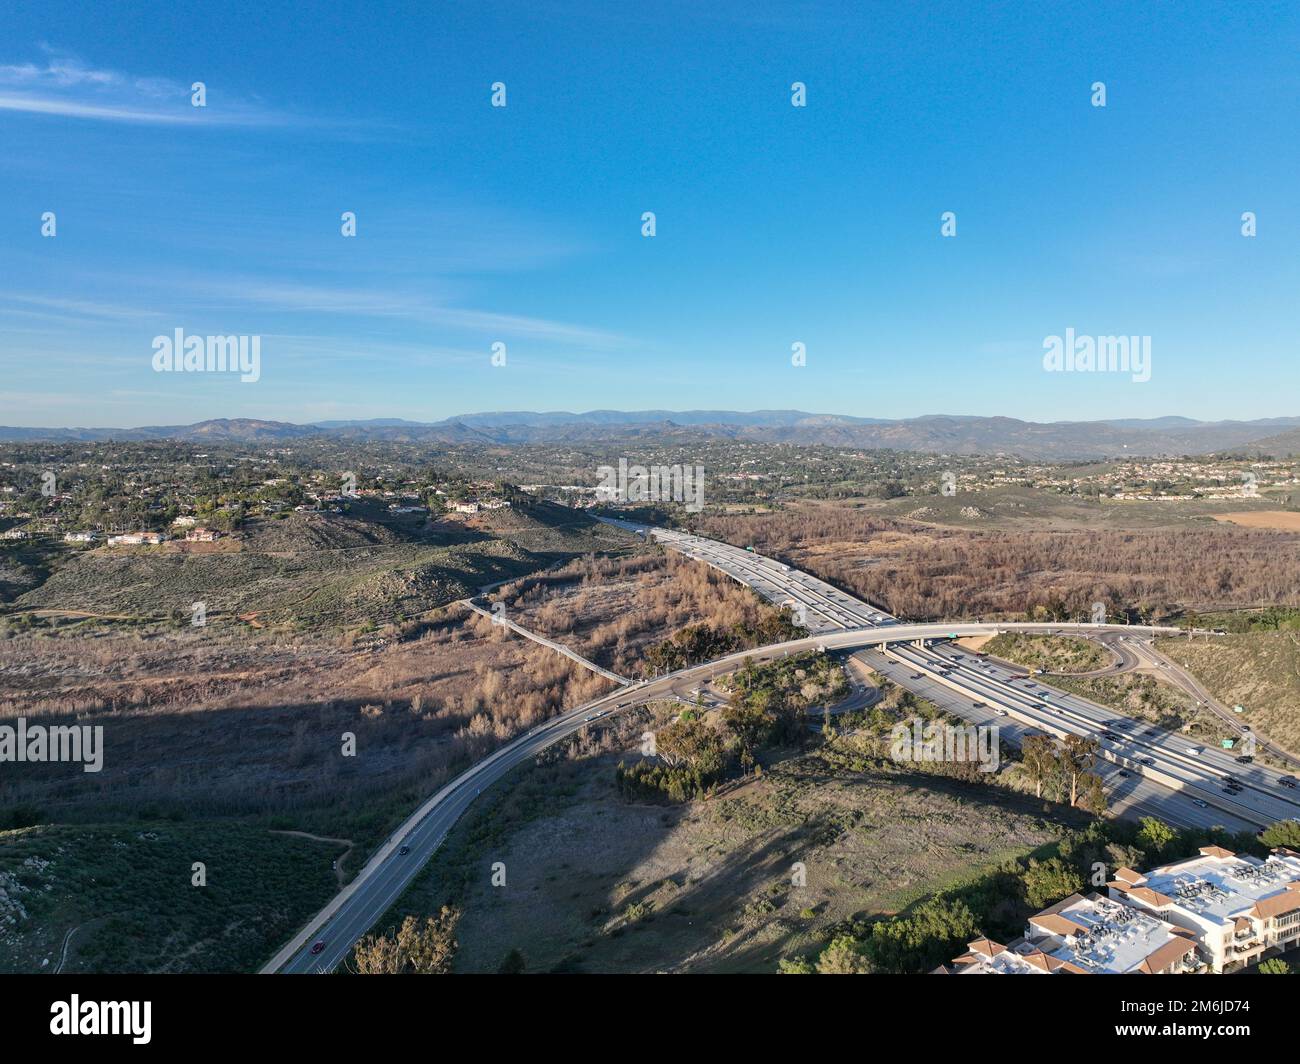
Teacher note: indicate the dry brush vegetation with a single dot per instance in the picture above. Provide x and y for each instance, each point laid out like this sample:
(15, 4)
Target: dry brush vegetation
(921, 572)
(209, 724)
(612, 609)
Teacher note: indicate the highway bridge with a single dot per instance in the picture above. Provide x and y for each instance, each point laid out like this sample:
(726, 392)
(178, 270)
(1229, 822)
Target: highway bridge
(1146, 770)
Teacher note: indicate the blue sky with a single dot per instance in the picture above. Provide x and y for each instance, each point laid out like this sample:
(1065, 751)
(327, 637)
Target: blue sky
(522, 224)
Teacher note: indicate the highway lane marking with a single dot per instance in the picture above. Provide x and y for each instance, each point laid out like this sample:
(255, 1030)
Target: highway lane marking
(867, 636)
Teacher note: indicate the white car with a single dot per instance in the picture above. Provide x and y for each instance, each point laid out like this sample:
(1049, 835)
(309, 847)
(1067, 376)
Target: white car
(1193, 749)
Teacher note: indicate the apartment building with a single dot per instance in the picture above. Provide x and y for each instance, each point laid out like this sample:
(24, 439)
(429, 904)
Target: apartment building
(1215, 912)
(1091, 935)
(1237, 907)
(986, 957)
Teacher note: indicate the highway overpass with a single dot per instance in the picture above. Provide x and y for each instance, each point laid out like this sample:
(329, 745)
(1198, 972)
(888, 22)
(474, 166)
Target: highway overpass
(838, 622)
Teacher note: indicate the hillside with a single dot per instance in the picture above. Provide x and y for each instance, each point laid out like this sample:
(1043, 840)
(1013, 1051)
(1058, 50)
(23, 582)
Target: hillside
(1283, 445)
(310, 571)
(1257, 670)
(935, 434)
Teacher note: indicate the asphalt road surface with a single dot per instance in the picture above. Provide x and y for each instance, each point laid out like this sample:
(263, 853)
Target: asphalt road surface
(837, 622)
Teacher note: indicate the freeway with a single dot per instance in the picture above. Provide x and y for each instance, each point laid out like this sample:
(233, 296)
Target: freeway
(1132, 653)
(389, 872)
(1182, 770)
(820, 607)
(1129, 796)
(1146, 770)
(836, 622)
(1184, 680)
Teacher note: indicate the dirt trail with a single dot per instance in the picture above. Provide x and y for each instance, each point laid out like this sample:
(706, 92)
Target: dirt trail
(338, 864)
(63, 954)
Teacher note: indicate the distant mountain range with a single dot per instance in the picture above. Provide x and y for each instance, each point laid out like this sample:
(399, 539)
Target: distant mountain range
(934, 434)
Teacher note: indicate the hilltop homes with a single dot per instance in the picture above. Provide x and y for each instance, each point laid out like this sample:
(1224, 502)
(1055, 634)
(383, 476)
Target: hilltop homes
(127, 539)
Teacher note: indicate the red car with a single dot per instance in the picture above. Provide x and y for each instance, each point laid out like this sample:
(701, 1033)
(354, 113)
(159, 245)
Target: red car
(317, 948)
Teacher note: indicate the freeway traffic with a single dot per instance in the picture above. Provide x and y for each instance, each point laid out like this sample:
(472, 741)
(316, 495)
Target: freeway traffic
(837, 622)
(1195, 772)
(1138, 753)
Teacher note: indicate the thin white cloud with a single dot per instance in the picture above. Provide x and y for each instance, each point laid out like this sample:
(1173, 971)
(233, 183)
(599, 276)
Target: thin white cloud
(81, 308)
(72, 109)
(388, 304)
(66, 87)
(63, 72)
(243, 293)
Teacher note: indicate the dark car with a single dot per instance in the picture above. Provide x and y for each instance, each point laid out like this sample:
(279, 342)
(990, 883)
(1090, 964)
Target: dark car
(403, 851)
(1245, 759)
(317, 947)
(1148, 760)
(1287, 781)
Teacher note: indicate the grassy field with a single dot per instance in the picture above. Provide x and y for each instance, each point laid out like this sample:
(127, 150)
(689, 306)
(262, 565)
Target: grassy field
(1017, 507)
(1288, 520)
(1051, 652)
(249, 724)
(127, 891)
(596, 884)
